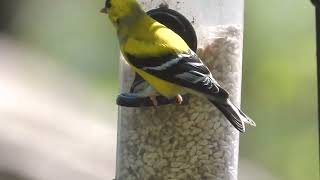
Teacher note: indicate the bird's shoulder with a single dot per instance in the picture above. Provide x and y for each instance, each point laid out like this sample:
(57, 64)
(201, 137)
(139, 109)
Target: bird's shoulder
(153, 39)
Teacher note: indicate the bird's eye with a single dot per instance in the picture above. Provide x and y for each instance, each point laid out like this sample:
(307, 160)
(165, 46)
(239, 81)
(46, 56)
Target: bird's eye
(108, 4)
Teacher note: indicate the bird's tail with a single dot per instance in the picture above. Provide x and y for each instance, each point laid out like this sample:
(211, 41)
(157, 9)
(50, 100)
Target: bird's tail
(236, 117)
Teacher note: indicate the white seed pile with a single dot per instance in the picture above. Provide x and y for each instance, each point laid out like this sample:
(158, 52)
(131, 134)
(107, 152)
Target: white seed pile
(191, 142)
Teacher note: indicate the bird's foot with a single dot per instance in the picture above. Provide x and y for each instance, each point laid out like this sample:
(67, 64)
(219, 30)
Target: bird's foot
(179, 99)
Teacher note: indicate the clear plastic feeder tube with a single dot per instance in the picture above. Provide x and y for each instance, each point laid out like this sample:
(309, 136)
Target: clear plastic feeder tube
(195, 141)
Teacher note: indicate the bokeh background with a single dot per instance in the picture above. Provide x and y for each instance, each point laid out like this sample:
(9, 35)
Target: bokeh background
(59, 81)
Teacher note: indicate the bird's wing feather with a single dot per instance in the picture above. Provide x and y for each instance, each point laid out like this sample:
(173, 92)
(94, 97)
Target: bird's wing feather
(185, 69)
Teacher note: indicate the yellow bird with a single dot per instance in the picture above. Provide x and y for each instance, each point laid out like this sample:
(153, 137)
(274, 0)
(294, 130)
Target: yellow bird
(165, 61)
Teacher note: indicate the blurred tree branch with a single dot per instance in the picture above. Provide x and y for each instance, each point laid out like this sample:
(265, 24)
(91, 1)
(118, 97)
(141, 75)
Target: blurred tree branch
(8, 11)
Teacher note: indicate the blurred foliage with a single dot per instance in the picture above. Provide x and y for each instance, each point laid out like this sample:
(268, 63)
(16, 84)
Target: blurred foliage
(75, 33)
(279, 87)
(279, 80)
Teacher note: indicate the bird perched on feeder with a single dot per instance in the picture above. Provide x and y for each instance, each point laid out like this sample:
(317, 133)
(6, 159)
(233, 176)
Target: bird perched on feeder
(164, 60)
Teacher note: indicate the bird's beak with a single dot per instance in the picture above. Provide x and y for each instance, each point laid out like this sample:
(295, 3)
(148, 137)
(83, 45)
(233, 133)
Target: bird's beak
(104, 10)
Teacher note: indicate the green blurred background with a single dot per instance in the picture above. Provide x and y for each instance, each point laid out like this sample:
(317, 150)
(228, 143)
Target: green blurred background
(279, 71)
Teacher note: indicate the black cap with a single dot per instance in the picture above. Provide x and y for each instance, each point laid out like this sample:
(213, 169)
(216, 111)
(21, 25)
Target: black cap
(108, 4)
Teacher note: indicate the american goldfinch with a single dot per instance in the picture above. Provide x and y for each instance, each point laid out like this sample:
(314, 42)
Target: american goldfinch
(164, 60)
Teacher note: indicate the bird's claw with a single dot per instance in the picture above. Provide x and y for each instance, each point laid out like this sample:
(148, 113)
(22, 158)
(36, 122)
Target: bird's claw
(179, 99)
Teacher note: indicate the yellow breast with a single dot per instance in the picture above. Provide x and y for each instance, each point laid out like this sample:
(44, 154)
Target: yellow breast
(165, 88)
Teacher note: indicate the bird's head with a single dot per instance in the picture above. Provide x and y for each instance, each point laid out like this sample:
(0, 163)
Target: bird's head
(121, 10)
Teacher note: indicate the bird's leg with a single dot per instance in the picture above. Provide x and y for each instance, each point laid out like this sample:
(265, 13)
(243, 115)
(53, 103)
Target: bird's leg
(153, 98)
(150, 92)
(179, 99)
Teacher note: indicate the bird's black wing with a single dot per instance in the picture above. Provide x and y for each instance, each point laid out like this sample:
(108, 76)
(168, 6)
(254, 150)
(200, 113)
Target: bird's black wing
(186, 70)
